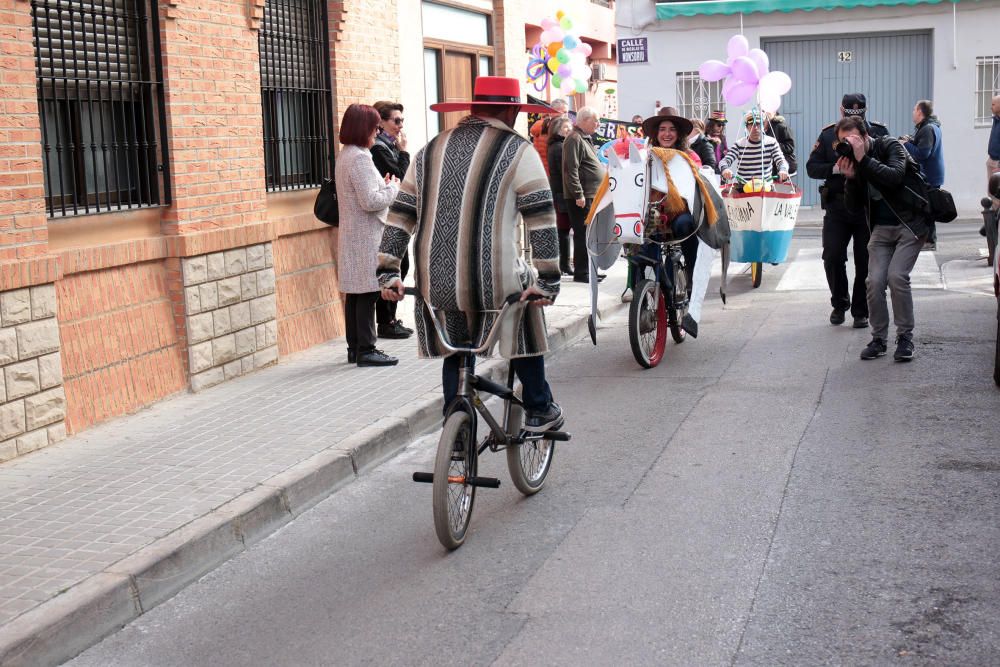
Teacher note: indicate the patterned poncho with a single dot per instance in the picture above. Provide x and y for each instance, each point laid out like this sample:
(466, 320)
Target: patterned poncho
(470, 198)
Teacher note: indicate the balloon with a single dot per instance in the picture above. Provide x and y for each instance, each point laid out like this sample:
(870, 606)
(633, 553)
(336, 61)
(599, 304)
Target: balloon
(567, 86)
(545, 38)
(565, 71)
(560, 14)
(581, 86)
(553, 65)
(554, 48)
(761, 60)
(779, 82)
(738, 92)
(713, 70)
(745, 69)
(556, 81)
(548, 23)
(769, 100)
(562, 56)
(556, 34)
(569, 41)
(585, 49)
(738, 46)
(566, 24)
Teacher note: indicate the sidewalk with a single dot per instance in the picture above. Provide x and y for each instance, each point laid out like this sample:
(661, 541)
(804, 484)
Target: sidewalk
(100, 528)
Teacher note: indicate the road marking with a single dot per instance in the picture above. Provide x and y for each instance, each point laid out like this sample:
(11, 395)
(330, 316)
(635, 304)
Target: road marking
(806, 272)
(925, 273)
(968, 276)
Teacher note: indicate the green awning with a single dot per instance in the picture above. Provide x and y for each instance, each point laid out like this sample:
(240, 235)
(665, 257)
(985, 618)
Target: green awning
(668, 10)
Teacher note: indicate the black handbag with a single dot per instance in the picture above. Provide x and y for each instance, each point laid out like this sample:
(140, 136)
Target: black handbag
(942, 205)
(325, 208)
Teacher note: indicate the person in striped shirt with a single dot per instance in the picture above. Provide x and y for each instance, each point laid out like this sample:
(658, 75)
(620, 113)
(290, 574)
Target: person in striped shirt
(756, 155)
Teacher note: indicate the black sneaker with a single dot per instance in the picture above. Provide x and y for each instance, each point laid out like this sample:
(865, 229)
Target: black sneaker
(394, 330)
(549, 420)
(837, 317)
(904, 349)
(352, 356)
(875, 349)
(860, 322)
(376, 358)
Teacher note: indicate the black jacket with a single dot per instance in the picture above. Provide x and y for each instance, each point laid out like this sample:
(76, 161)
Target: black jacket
(705, 149)
(777, 128)
(389, 159)
(823, 157)
(554, 156)
(884, 167)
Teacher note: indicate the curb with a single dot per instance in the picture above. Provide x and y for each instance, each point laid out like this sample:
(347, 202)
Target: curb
(102, 604)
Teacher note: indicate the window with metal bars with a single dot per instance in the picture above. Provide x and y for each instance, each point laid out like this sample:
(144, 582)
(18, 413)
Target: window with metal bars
(987, 86)
(295, 94)
(695, 97)
(100, 101)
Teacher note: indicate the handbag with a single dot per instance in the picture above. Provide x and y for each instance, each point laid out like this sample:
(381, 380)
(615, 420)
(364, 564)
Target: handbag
(942, 205)
(325, 208)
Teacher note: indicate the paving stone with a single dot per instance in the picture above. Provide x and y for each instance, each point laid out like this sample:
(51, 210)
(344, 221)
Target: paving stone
(11, 419)
(224, 349)
(209, 296)
(194, 270)
(216, 263)
(15, 307)
(262, 309)
(45, 408)
(29, 442)
(200, 327)
(21, 379)
(43, 301)
(223, 324)
(256, 257)
(192, 300)
(265, 281)
(239, 316)
(207, 379)
(236, 261)
(50, 370)
(8, 345)
(200, 356)
(37, 338)
(248, 286)
(229, 291)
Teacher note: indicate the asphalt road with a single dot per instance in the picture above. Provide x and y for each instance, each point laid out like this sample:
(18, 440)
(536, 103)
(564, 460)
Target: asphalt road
(763, 497)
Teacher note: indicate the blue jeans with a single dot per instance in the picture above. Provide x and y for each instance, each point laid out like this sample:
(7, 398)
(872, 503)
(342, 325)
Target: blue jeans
(535, 391)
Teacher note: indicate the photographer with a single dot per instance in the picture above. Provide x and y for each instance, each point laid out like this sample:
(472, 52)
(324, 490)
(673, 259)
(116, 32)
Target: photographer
(874, 169)
(840, 226)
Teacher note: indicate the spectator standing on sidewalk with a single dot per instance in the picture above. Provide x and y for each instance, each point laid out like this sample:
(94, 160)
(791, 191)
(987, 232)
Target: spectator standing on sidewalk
(715, 130)
(539, 130)
(390, 157)
(363, 196)
(840, 226)
(926, 148)
(483, 190)
(582, 173)
(874, 173)
(559, 129)
(993, 149)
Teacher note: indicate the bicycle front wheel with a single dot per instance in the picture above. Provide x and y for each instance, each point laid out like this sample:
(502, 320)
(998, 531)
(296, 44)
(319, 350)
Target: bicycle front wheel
(647, 324)
(680, 296)
(756, 273)
(454, 497)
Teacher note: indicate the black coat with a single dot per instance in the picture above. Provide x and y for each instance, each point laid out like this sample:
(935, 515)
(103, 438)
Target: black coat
(554, 156)
(777, 128)
(705, 149)
(389, 159)
(823, 157)
(884, 167)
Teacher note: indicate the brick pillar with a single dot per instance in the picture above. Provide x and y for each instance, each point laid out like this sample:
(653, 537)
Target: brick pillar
(32, 400)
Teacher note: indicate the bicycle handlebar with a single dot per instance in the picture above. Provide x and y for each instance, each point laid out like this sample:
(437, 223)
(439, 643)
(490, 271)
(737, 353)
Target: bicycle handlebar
(509, 301)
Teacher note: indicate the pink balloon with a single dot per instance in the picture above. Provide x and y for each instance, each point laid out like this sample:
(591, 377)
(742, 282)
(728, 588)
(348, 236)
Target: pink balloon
(548, 24)
(714, 70)
(761, 60)
(738, 92)
(745, 69)
(779, 82)
(556, 34)
(546, 38)
(585, 49)
(568, 86)
(738, 46)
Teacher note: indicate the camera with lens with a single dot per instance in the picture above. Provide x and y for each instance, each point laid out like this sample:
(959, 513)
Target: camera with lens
(844, 149)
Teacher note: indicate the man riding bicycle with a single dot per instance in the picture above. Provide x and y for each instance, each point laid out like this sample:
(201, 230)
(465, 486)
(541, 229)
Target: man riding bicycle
(481, 186)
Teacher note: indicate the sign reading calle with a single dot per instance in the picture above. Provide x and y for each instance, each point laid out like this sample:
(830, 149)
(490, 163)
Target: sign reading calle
(634, 50)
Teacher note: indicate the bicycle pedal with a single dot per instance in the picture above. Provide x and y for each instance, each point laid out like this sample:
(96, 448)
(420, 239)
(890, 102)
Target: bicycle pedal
(560, 436)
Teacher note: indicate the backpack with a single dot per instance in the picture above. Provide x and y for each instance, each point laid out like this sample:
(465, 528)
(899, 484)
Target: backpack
(933, 203)
(325, 208)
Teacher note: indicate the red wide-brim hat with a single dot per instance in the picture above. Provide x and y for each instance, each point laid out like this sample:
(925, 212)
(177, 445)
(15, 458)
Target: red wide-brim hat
(495, 91)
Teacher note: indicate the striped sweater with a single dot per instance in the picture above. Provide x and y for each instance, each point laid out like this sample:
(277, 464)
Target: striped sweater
(471, 197)
(748, 159)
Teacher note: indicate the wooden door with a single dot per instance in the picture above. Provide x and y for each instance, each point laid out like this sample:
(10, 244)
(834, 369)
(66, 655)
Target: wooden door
(459, 74)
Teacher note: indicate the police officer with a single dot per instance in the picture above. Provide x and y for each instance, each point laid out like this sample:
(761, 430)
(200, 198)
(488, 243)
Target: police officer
(839, 225)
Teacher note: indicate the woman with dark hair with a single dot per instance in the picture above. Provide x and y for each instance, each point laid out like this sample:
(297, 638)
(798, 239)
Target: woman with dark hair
(390, 157)
(702, 145)
(363, 197)
(559, 129)
(715, 130)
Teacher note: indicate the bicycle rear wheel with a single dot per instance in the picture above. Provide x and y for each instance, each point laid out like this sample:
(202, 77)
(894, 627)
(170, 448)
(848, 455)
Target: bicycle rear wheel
(647, 324)
(680, 295)
(453, 497)
(756, 273)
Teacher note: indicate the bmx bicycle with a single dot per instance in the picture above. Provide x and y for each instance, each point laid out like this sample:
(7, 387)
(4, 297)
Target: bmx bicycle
(456, 464)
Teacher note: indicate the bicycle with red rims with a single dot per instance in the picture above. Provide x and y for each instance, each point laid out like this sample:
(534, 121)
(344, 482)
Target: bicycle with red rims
(456, 465)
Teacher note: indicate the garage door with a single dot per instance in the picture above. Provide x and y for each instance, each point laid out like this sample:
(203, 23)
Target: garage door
(892, 70)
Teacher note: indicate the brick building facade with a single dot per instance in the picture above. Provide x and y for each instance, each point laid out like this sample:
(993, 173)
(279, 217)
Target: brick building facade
(218, 269)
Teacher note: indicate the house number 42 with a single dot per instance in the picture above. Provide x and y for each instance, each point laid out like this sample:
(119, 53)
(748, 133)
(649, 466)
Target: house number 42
(845, 56)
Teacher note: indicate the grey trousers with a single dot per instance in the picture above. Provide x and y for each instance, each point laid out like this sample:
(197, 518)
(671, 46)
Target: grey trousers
(892, 252)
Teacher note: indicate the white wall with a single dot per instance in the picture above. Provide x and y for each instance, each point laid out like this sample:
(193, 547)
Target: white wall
(682, 44)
